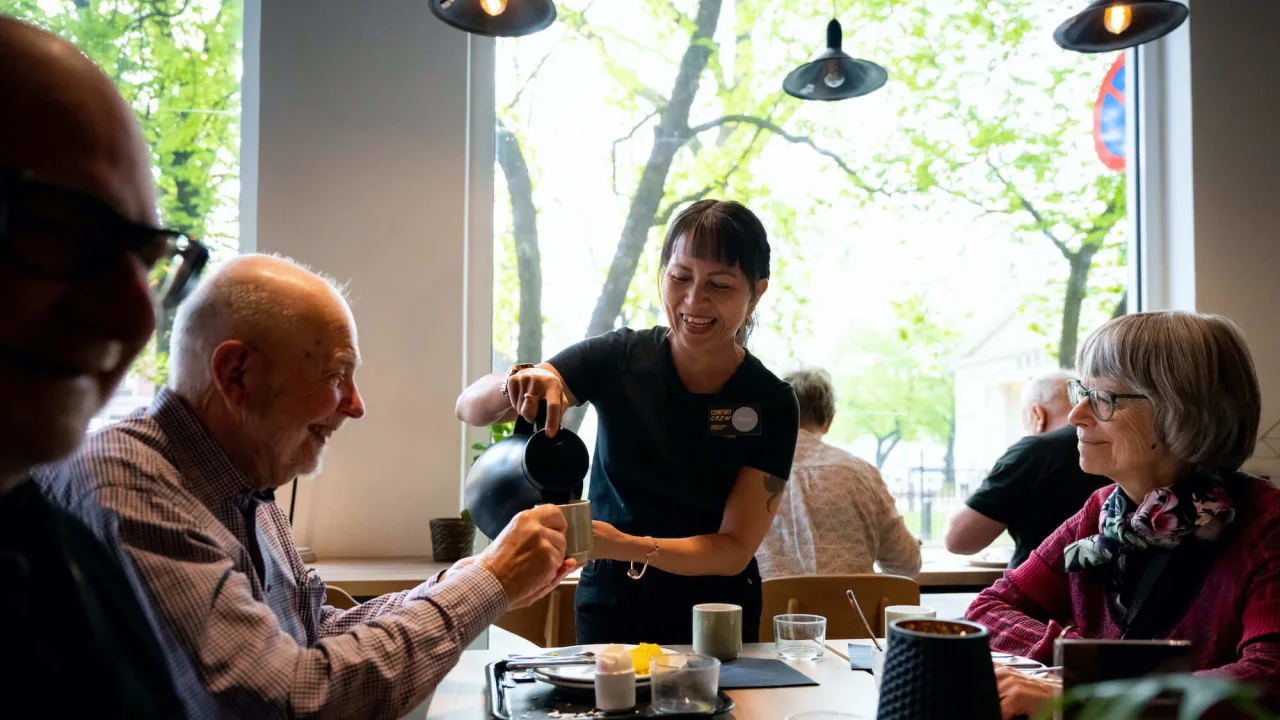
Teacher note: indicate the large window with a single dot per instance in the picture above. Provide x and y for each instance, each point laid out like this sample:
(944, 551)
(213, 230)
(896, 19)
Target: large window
(937, 243)
(178, 63)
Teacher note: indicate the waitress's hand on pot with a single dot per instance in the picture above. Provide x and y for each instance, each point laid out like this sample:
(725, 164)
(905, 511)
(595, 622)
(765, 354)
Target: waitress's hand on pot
(607, 541)
(528, 555)
(531, 386)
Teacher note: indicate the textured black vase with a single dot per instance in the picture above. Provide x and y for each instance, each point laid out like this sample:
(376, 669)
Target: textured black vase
(938, 670)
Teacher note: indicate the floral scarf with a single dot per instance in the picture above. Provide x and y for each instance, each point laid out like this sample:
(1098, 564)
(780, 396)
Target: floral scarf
(1198, 506)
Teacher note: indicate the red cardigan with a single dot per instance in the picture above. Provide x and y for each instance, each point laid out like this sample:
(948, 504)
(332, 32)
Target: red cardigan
(1233, 625)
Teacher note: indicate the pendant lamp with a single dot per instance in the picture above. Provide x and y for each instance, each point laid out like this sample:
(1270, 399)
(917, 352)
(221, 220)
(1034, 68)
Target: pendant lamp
(496, 18)
(833, 75)
(1108, 25)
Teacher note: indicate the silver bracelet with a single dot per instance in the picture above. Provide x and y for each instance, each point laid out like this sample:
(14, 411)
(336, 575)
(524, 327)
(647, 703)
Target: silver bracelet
(637, 574)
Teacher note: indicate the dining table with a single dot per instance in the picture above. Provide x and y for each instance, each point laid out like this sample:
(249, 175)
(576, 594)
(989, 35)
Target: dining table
(461, 695)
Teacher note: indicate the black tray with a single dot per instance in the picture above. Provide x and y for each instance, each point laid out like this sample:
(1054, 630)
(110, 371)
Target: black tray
(535, 700)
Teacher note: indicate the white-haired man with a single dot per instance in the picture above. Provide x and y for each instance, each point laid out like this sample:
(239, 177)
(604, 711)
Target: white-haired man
(262, 374)
(1035, 486)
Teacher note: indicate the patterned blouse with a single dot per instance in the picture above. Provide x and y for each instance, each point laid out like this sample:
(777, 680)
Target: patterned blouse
(836, 518)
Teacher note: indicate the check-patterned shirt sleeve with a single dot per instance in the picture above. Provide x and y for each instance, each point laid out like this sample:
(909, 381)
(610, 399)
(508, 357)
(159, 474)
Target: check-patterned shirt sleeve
(381, 666)
(334, 621)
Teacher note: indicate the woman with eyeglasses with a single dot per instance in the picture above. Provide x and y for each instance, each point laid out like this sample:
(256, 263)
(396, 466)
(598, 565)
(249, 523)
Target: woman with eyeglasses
(1184, 545)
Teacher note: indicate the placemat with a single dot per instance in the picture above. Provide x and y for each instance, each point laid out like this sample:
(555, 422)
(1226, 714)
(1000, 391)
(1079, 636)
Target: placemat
(761, 673)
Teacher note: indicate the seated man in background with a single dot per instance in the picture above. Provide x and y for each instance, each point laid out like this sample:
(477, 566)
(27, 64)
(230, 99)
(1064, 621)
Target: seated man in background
(836, 516)
(77, 239)
(262, 373)
(1035, 486)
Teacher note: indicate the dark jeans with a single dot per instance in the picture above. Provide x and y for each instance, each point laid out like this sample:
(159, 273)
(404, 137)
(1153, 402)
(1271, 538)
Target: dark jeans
(658, 608)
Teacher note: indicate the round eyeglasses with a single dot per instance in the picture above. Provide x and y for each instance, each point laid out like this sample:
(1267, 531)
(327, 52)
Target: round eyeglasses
(1101, 402)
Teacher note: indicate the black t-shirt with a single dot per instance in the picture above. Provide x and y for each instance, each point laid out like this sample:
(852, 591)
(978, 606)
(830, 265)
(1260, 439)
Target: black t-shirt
(76, 641)
(1035, 487)
(659, 470)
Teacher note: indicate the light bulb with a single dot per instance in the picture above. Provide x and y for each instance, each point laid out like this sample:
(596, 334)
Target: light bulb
(494, 7)
(831, 75)
(1117, 18)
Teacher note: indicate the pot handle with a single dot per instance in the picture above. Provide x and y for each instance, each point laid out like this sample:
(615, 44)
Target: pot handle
(524, 427)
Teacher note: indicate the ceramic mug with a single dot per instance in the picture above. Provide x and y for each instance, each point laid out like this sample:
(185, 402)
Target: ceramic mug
(717, 630)
(900, 612)
(577, 532)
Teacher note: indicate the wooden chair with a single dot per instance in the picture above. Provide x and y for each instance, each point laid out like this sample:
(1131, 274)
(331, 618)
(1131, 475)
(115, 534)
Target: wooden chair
(339, 598)
(546, 623)
(825, 595)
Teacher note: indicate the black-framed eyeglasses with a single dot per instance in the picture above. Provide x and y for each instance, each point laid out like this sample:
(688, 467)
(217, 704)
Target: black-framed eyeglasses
(62, 234)
(1101, 402)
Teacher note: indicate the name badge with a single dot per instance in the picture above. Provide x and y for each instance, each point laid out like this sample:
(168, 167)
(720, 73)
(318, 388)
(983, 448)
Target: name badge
(733, 420)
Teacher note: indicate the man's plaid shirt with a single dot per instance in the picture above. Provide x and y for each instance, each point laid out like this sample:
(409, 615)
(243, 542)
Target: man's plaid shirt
(261, 644)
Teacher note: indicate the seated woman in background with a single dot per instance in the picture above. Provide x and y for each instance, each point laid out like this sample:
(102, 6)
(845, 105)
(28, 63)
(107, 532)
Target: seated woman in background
(836, 516)
(1184, 545)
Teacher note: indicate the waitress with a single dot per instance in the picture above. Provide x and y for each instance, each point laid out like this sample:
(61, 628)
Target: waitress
(694, 444)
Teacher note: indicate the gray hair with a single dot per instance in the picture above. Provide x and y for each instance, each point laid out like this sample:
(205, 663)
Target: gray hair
(1047, 389)
(815, 394)
(1198, 373)
(229, 305)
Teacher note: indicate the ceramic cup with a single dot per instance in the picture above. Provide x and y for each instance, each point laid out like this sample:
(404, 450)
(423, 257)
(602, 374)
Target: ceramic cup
(903, 612)
(717, 630)
(577, 534)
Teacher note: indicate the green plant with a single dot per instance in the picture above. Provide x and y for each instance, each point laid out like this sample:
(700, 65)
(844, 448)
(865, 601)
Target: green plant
(497, 433)
(1126, 699)
(152, 364)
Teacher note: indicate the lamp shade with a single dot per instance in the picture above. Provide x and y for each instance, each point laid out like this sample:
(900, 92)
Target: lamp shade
(1109, 25)
(496, 18)
(938, 670)
(833, 75)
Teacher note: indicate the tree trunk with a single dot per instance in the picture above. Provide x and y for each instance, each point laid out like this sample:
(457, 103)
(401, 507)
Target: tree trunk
(524, 220)
(1077, 282)
(1122, 306)
(949, 461)
(669, 135)
(892, 438)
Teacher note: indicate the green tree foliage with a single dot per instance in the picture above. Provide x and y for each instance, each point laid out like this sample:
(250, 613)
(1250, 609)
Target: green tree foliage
(1001, 128)
(900, 386)
(992, 121)
(178, 64)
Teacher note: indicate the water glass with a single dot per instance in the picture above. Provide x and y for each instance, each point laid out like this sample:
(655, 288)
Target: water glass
(684, 684)
(800, 637)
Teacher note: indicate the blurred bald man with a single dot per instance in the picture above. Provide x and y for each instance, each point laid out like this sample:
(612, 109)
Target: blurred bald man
(77, 239)
(1035, 486)
(262, 374)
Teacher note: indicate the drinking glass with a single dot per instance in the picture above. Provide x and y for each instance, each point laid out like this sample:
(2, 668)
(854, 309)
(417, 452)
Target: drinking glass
(684, 684)
(800, 637)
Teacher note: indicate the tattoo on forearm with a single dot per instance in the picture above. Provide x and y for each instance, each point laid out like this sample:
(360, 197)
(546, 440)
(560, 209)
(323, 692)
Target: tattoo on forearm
(775, 486)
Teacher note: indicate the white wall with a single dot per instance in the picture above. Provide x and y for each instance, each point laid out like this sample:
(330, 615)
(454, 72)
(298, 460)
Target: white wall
(363, 169)
(1234, 101)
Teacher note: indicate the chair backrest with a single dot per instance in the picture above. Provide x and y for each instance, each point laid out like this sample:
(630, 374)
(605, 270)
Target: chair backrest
(825, 595)
(339, 598)
(546, 623)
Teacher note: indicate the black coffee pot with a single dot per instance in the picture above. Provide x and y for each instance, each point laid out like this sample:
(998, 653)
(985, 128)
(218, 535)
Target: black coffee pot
(527, 468)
